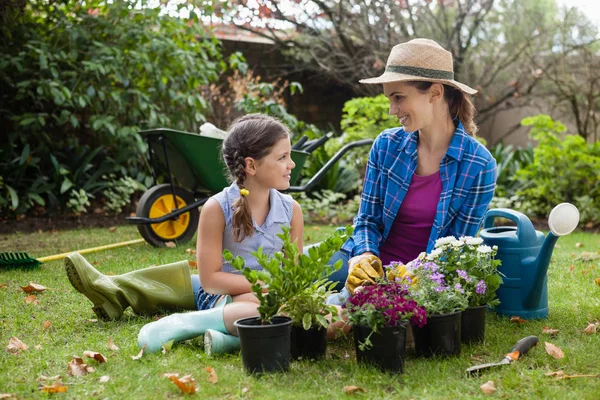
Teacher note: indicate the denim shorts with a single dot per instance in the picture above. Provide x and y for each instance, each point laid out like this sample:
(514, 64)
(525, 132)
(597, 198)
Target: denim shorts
(204, 301)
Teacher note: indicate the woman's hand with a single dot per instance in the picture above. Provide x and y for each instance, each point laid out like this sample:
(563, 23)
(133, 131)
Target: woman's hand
(363, 269)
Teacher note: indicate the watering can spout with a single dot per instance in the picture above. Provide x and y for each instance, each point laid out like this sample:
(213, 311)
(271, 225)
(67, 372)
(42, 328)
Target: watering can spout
(537, 268)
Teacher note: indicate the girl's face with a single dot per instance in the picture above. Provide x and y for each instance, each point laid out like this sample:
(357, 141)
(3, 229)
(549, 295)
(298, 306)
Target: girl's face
(413, 108)
(275, 169)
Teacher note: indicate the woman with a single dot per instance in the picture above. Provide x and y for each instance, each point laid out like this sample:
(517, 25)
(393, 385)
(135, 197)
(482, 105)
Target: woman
(429, 178)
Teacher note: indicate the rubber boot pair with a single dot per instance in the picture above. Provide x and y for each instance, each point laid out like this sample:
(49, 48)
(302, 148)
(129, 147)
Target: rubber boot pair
(147, 291)
(184, 326)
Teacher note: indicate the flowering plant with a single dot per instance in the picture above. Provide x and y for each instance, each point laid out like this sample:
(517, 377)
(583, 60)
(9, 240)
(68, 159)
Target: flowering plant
(385, 304)
(437, 292)
(472, 263)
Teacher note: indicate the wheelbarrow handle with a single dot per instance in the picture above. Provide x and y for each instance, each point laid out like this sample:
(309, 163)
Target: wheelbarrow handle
(298, 145)
(313, 145)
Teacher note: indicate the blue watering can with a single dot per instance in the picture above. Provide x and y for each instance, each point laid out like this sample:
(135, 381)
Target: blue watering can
(525, 256)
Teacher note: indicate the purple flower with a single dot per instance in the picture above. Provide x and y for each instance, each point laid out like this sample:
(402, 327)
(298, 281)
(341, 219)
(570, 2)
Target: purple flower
(463, 274)
(430, 266)
(437, 278)
(441, 288)
(481, 287)
(458, 287)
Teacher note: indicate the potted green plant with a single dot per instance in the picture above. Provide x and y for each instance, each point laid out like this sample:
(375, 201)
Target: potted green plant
(380, 314)
(265, 340)
(476, 268)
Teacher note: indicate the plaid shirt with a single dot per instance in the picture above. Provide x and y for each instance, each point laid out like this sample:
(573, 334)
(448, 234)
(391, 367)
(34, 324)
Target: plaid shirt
(468, 173)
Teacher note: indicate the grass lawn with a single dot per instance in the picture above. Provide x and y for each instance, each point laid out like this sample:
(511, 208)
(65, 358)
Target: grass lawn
(574, 302)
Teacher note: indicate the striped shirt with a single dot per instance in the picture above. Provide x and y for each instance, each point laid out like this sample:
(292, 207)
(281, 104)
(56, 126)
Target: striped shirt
(468, 173)
(280, 214)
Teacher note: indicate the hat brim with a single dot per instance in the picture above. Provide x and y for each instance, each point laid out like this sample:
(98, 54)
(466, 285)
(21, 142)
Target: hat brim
(388, 77)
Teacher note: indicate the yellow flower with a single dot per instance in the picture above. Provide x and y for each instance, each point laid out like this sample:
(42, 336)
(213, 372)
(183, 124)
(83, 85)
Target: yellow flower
(244, 192)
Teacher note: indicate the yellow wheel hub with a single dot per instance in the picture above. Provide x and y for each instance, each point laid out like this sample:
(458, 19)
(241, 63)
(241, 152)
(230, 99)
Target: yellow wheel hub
(169, 229)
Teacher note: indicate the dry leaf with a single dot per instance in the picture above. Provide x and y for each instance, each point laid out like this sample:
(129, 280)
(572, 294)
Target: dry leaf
(550, 331)
(49, 378)
(517, 320)
(112, 229)
(37, 347)
(111, 345)
(562, 375)
(488, 387)
(104, 379)
(591, 329)
(33, 288)
(193, 264)
(588, 256)
(353, 389)
(56, 387)
(558, 374)
(77, 367)
(96, 356)
(187, 384)
(47, 324)
(92, 320)
(170, 245)
(597, 280)
(3, 285)
(571, 268)
(578, 245)
(554, 351)
(7, 396)
(15, 345)
(167, 346)
(190, 251)
(140, 354)
(212, 375)
(31, 299)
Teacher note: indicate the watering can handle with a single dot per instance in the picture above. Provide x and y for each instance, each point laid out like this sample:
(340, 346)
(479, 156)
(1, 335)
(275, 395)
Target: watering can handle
(525, 229)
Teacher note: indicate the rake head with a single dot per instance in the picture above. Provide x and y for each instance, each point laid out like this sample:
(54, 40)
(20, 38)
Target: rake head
(17, 260)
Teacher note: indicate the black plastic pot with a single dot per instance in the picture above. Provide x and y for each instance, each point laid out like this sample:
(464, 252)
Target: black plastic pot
(265, 348)
(388, 350)
(441, 335)
(472, 325)
(308, 344)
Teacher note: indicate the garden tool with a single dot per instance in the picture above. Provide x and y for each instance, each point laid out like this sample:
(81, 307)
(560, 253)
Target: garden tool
(363, 269)
(147, 291)
(522, 347)
(216, 342)
(22, 260)
(525, 255)
(182, 326)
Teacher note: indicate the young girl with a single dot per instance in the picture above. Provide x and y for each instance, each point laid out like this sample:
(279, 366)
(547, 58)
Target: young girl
(246, 215)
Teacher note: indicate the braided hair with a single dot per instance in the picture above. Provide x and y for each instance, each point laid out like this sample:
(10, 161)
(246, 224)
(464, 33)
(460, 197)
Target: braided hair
(252, 135)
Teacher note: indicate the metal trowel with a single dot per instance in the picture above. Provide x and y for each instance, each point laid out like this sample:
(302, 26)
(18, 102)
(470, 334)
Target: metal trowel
(522, 347)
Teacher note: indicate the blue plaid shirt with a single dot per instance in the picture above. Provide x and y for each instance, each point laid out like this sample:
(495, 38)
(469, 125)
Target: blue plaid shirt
(468, 173)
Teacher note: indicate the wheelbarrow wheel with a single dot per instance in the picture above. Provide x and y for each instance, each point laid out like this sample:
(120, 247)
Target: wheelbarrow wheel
(158, 201)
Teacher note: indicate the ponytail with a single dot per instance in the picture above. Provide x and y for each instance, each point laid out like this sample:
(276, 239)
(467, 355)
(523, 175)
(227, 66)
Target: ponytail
(241, 220)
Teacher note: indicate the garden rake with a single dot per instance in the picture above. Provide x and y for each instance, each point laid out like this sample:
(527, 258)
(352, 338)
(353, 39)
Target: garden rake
(24, 261)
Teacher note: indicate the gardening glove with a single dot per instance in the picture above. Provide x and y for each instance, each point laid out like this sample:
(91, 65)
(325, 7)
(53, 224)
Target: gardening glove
(400, 272)
(363, 269)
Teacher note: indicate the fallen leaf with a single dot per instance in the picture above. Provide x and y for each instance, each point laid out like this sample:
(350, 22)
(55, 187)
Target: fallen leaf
(104, 379)
(353, 389)
(47, 324)
(167, 346)
(92, 320)
(550, 331)
(578, 245)
(15, 345)
(193, 264)
(590, 329)
(170, 245)
(112, 229)
(562, 375)
(244, 390)
(187, 384)
(56, 387)
(212, 375)
(33, 288)
(31, 299)
(558, 374)
(96, 356)
(571, 268)
(37, 347)
(588, 256)
(111, 345)
(3, 285)
(49, 378)
(517, 320)
(597, 280)
(140, 354)
(190, 251)
(488, 387)
(7, 396)
(77, 367)
(554, 351)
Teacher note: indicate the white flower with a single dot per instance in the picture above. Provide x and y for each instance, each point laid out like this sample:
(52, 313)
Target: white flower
(474, 241)
(457, 243)
(445, 240)
(494, 247)
(465, 238)
(462, 256)
(484, 249)
(421, 256)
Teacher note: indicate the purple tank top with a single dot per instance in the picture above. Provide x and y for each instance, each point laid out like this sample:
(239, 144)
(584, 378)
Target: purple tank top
(411, 229)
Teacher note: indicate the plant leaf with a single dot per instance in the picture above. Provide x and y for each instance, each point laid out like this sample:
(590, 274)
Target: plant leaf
(111, 345)
(47, 324)
(140, 354)
(31, 299)
(104, 379)
(187, 384)
(353, 389)
(517, 320)
(33, 288)
(56, 387)
(488, 387)
(549, 331)
(77, 367)
(170, 245)
(96, 356)
(15, 345)
(590, 329)
(306, 321)
(554, 351)
(212, 375)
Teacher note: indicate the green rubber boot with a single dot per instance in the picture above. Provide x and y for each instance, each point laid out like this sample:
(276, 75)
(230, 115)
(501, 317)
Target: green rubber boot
(182, 326)
(147, 291)
(216, 342)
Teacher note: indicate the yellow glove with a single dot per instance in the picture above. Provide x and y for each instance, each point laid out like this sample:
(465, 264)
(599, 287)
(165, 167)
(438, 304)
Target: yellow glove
(400, 271)
(363, 269)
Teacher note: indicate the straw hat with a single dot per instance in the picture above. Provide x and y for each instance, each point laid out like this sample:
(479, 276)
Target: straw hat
(420, 60)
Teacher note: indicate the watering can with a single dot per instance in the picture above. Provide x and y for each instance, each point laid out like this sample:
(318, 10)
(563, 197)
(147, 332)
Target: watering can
(525, 254)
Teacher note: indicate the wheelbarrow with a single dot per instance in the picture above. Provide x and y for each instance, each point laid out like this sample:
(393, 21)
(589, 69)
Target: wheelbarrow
(168, 212)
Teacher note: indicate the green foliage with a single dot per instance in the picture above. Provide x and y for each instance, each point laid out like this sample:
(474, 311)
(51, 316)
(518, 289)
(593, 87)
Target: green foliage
(308, 308)
(119, 192)
(564, 169)
(288, 273)
(90, 75)
(509, 160)
(79, 201)
(327, 207)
